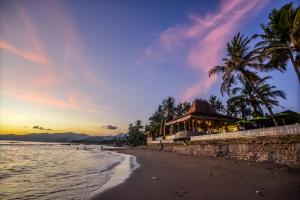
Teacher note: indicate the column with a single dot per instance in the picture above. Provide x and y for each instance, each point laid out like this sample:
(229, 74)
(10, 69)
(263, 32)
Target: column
(164, 128)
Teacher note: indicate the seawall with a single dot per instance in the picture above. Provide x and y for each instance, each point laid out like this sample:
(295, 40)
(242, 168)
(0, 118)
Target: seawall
(281, 148)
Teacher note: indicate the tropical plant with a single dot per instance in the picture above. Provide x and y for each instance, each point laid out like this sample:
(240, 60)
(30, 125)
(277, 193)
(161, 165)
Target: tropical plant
(268, 94)
(169, 108)
(237, 66)
(245, 95)
(136, 136)
(166, 111)
(280, 41)
(238, 108)
(182, 109)
(248, 96)
(216, 104)
(155, 121)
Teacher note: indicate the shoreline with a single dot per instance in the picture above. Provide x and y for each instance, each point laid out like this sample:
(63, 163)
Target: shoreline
(166, 175)
(120, 173)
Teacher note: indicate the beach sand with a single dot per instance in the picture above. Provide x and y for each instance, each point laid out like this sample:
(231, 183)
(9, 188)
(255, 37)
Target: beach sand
(165, 175)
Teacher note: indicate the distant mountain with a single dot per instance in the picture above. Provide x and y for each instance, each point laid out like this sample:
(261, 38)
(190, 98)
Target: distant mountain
(62, 137)
(102, 139)
(46, 137)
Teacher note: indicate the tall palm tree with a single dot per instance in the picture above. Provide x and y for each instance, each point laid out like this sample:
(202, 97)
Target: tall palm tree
(138, 125)
(237, 66)
(169, 108)
(155, 121)
(268, 93)
(216, 104)
(280, 41)
(182, 109)
(296, 31)
(247, 95)
(238, 107)
(165, 112)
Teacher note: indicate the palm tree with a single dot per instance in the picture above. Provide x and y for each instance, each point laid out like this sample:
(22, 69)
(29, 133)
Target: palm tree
(216, 104)
(138, 125)
(238, 107)
(155, 121)
(280, 41)
(248, 96)
(267, 93)
(296, 31)
(237, 66)
(182, 109)
(169, 108)
(165, 112)
(135, 134)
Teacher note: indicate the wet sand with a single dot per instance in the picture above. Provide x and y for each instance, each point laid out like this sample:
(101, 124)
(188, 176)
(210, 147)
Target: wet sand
(165, 175)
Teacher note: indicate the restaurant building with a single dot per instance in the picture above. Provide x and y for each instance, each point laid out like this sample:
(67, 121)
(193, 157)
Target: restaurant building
(201, 119)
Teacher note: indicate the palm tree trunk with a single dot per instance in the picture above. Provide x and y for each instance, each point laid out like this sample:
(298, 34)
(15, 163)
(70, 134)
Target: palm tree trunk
(160, 128)
(262, 99)
(296, 68)
(254, 106)
(255, 110)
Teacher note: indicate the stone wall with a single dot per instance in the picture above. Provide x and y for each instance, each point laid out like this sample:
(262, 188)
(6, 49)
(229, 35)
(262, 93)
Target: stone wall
(281, 149)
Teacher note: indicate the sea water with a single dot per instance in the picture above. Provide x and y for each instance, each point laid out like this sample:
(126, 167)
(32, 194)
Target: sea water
(32, 170)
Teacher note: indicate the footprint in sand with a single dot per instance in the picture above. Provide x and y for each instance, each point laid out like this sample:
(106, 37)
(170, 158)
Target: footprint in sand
(181, 193)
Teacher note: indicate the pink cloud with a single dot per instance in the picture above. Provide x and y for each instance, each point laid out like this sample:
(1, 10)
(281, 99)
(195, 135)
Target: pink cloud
(49, 82)
(34, 96)
(74, 60)
(30, 56)
(204, 39)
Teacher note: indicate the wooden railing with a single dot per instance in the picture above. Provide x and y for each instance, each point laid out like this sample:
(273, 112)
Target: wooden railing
(273, 131)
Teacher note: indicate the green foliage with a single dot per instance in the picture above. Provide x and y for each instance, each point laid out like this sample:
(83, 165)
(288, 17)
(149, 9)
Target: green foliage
(245, 97)
(278, 44)
(216, 104)
(238, 108)
(239, 67)
(136, 135)
(238, 64)
(166, 111)
(280, 41)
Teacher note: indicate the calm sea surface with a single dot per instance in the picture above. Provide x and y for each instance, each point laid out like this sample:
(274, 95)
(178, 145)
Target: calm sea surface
(31, 170)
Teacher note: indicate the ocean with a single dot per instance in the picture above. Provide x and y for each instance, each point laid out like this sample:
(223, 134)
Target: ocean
(35, 170)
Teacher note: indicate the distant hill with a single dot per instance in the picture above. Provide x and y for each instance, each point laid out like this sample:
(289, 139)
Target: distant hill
(46, 137)
(102, 139)
(62, 137)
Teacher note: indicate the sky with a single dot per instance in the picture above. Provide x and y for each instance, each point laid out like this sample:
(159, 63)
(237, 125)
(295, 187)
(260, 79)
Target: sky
(96, 66)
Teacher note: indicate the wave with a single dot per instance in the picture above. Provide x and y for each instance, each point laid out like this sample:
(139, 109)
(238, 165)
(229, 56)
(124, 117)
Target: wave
(56, 171)
(119, 174)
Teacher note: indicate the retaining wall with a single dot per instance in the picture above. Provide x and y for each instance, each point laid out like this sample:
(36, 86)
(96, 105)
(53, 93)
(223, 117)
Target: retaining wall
(279, 145)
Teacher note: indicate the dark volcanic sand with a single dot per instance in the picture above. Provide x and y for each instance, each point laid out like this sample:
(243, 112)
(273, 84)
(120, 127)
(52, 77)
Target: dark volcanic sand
(187, 177)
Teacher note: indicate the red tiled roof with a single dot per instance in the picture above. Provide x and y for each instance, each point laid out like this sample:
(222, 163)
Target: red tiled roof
(201, 106)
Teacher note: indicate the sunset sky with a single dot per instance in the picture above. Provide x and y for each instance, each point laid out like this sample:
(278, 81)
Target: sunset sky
(95, 66)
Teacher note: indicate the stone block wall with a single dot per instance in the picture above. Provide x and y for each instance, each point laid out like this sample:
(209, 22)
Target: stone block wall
(278, 149)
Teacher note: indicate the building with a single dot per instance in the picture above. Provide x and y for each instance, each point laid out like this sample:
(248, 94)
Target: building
(201, 119)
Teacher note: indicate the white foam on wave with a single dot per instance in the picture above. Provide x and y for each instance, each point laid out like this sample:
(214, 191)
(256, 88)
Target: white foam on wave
(119, 174)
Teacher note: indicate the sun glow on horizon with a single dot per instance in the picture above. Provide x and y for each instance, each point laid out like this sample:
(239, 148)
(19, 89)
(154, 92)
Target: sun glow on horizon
(45, 90)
